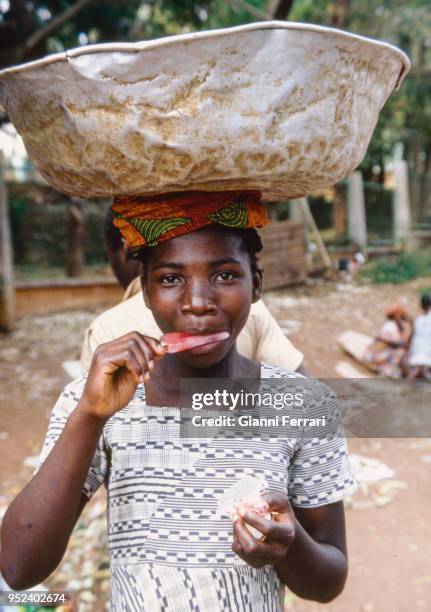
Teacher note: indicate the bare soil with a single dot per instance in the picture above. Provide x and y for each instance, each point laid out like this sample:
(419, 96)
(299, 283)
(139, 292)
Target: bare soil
(387, 522)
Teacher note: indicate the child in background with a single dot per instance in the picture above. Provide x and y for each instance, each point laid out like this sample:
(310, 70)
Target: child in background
(419, 357)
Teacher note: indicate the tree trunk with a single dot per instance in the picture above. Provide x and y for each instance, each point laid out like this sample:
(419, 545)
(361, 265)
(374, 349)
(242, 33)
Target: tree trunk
(75, 251)
(52, 26)
(339, 212)
(7, 287)
(281, 9)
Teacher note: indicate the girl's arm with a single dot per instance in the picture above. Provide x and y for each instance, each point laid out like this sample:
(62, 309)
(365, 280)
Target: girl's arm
(393, 343)
(38, 523)
(315, 566)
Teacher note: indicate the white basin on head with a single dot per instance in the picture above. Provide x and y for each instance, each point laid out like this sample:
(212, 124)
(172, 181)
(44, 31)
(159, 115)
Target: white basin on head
(286, 108)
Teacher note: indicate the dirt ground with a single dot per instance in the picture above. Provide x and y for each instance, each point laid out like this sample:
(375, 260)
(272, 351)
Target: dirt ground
(387, 522)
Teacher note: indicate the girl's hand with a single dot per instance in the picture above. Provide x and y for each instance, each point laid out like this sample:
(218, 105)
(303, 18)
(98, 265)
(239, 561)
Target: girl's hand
(278, 533)
(116, 370)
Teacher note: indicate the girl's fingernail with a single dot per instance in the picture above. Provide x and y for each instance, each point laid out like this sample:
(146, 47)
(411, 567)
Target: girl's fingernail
(242, 512)
(151, 365)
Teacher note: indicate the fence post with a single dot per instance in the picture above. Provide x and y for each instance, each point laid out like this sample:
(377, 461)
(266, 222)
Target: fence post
(7, 288)
(402, 217)
(357, 223)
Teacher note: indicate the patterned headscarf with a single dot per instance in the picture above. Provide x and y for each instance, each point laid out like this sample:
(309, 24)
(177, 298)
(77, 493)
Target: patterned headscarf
(148, 221)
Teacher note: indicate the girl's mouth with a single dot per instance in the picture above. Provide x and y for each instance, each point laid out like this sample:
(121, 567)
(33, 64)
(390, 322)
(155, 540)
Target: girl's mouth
(197, 344)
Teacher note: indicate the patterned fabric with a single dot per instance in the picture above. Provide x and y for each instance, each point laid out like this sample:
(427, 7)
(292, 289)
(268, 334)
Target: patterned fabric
(169, 549)
(382, 356)
(148, 221)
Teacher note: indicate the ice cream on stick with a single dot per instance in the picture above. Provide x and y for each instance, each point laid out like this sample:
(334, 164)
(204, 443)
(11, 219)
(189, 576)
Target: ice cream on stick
(176, 342)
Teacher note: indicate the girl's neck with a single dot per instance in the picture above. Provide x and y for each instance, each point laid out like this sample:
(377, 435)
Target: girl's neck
(233, 365)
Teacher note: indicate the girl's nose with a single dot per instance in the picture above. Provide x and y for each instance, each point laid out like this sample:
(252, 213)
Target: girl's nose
(198, 301)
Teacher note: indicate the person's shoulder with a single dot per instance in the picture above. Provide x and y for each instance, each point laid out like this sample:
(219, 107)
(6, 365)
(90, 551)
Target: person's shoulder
(134, 304)
(258, 309)
(132, 314)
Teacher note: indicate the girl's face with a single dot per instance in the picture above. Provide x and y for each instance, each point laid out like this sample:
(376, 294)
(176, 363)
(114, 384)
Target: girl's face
(200, 283)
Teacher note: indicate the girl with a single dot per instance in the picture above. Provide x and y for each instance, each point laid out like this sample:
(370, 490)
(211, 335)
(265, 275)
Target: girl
(120, 425)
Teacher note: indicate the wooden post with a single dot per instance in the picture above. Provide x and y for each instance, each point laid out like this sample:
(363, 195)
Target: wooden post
(7, 288)
(339, 212)
(357, 224)
(402, 217)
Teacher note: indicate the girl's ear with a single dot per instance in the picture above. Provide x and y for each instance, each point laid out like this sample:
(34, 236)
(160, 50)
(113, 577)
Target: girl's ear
(256, 292)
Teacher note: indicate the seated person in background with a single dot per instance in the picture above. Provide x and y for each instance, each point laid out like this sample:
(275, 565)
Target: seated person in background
(260, 340)
(388, 351)
(419, 357)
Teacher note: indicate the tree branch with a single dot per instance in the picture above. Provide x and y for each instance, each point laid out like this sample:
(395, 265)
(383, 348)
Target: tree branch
(282, 9)
(279, 9)
(55, 23)
(251, 10)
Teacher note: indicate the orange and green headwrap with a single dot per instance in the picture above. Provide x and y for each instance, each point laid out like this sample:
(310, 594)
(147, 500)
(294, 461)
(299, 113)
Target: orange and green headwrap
(148, 221)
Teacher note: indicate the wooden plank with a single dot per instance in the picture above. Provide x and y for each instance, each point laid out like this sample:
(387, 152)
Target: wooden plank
(347, 370)
(44, 299)
(283, 254)
(67, 282)
(7, 291)
(355, 344)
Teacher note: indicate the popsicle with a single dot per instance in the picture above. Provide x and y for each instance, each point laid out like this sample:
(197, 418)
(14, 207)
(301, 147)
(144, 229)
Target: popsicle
(176, 342)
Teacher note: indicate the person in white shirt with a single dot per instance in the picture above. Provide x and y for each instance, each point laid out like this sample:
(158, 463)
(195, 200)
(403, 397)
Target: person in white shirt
(419, 358)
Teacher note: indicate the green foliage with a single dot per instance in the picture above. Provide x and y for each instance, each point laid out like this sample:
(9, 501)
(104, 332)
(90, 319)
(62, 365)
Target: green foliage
(378, 211)
(423, 290)
(399, 268)
(40, 233)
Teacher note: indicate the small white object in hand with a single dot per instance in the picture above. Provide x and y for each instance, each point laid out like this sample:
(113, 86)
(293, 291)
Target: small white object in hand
(245, 495)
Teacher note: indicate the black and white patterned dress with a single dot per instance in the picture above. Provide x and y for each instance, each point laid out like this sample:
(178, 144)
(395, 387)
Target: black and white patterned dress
(169, 549)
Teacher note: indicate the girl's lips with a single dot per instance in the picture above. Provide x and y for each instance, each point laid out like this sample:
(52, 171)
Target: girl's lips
(183, 341)
(203, 349)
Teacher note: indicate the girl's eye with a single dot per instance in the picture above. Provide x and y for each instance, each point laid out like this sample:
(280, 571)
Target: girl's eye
(170, 280)
(225, 276)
